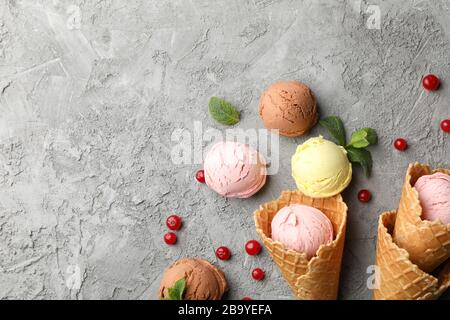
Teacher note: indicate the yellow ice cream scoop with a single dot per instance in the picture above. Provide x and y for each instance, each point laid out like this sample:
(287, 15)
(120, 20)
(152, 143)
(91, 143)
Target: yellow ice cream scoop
(321, 168)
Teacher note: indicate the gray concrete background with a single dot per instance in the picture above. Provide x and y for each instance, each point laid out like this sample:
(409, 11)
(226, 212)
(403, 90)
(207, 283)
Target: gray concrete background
(90, 92)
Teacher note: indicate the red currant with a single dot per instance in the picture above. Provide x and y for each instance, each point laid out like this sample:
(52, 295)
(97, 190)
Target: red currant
(223, 253)
(252, 247)
(246, 298)
(364, 195)
(445, 125)
(400, 144)
(258, 274)
(170, 238)
(430, 82)
(200, 176)
(173, 222)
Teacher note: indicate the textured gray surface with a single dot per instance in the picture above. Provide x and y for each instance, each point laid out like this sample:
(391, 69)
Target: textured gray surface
(86, 113)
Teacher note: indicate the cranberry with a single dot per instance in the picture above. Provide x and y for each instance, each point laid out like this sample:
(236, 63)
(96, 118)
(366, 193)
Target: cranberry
(445, 125)
(200, 176)
(170, 238)
(430, 82)
(253, 247)
(400, 144)
(364, 195)
(258, 274)
(173, 222)
(223, 253)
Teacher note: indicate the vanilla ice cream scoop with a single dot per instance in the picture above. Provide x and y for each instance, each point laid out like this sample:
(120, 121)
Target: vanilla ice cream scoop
(434, 196)
(234, 170)
(321, 168)
(302, 228)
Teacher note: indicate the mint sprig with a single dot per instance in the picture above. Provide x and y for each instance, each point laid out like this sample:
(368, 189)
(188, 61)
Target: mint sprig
(177, 291)
(357, 147)
(223, 111)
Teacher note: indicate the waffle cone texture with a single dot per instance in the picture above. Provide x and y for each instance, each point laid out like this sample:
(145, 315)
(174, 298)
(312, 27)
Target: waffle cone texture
(427, 242)
(398, 277)
(317, 278)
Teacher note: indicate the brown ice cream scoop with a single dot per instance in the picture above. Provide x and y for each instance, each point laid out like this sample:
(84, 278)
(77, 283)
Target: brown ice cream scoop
(290, 107)
(203, 280)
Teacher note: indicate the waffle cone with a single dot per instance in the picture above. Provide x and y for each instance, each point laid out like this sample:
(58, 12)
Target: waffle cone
(317, 278)
(398, 277)
(427, 242)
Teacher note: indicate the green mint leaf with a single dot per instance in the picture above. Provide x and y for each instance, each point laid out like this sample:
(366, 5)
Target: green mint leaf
(223, 111)
(172, 294)
(363, 138)
(372, 136)
(358, 139)
(177, 291)
(180, 286)
(361, 157)
(336, 128)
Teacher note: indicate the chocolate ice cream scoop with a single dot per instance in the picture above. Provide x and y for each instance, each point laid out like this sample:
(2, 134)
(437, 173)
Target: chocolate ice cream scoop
(290, 107)
(203, 280)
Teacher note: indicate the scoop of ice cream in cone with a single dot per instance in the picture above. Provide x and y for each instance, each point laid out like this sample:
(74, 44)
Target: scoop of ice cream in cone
(295, 227)
(288, 106)
(420, 226)
(413, 244)
(302, 228)
(434, 196)
(321, 168)
(234, 170)
(203, 281)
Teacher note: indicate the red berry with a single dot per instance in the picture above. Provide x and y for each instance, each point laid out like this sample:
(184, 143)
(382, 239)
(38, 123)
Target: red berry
(223, 253)
(430, 82)
(173, 222)
(170, 238)
(246, 298)
(258, 274)
(200, 176)
(364, 195)
(252, 247)
(445, 125)
(400, 144)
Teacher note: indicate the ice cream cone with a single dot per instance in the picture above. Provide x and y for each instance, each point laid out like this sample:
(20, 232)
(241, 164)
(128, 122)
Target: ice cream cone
(398, 277)
(317, 278)
(427, 242)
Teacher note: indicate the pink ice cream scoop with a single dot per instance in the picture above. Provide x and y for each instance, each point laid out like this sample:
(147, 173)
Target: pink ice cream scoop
(234, 170)
(302, 228)
(434, 196)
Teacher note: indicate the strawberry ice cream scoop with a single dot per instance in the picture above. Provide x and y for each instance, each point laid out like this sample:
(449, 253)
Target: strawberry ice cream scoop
(302, 228)
(434, 196)
(234, 170)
